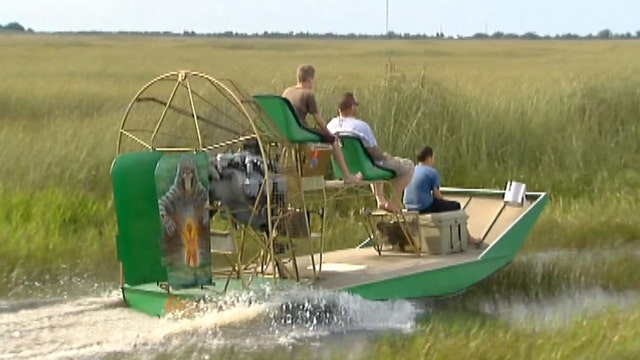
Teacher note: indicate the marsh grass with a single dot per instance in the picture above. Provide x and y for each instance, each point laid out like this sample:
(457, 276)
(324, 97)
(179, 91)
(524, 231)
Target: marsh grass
(52, 232)
(536, 276)
(611, 334)
(560, 116)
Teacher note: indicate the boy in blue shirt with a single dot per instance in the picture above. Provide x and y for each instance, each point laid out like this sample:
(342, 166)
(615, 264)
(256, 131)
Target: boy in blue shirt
(423, 192)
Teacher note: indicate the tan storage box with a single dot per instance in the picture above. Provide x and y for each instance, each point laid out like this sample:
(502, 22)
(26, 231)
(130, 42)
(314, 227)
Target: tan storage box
(444, 233)
(315, 159)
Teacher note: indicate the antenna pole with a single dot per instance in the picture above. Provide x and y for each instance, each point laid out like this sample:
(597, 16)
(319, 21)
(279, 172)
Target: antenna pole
(387, 18)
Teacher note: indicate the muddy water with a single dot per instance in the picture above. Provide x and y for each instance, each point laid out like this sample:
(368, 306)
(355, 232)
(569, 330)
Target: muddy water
(81, 319)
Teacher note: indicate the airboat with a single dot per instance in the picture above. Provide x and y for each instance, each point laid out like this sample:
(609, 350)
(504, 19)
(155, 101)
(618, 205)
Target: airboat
(216, 190)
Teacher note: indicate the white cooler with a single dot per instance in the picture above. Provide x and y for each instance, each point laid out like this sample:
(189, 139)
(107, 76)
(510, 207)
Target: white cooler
(443, 233)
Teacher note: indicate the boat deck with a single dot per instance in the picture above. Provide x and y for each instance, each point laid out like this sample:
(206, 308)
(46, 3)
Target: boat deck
(352, 267)
(489, 218)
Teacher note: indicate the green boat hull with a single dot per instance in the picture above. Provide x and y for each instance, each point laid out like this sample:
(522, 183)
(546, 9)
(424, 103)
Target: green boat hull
(459, 277)
(440, 282)
(151, 299)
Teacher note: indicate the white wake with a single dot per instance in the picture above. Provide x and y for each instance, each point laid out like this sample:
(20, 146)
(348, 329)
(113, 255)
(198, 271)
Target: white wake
(95, 327)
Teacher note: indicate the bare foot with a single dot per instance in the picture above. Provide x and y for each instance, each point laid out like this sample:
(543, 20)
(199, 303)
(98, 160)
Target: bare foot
(353, 179)
(388, 207)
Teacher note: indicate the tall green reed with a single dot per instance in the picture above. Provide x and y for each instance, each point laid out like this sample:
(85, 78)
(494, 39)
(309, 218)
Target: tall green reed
(50, 230)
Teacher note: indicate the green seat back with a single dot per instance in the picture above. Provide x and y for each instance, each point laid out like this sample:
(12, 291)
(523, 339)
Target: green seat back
(138, 219)
(186, 255)
(284, 116)
(358, 159)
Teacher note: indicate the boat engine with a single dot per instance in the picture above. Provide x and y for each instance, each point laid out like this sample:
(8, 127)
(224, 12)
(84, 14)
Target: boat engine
(236, 182)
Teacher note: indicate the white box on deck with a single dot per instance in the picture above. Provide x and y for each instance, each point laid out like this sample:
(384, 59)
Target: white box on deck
(444, 233)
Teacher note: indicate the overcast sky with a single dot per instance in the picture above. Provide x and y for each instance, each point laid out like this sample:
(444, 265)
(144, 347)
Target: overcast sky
(456, 17)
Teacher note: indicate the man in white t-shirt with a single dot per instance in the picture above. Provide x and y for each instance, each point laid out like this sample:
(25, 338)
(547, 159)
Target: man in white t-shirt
(347, 122)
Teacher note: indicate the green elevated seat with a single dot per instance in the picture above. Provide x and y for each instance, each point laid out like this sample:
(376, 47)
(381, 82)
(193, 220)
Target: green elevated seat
(284, 116)
(358, 159)
(138, 217)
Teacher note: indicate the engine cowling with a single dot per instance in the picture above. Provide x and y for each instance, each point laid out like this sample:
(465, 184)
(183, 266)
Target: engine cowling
(236, 181)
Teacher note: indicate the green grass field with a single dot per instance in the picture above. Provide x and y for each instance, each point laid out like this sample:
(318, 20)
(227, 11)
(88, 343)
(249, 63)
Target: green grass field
(562, 116)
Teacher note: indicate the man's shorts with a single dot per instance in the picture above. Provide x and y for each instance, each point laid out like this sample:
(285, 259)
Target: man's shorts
(326, 137)
(400, 165)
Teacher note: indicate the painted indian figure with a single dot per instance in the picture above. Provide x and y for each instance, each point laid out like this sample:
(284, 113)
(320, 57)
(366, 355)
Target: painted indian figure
(185, 217)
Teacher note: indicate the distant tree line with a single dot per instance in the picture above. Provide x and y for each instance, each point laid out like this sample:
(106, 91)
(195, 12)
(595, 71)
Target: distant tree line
(14, 27)
(602, 34)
